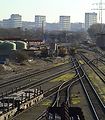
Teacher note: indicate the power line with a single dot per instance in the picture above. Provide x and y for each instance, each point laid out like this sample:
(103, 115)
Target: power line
(100, 9)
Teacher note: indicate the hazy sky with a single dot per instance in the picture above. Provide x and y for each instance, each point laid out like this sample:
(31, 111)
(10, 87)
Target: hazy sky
(52, 9)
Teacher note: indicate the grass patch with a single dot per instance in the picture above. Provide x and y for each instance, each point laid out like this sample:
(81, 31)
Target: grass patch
(67, 61)
(75, 99)
(47, 102)
(57, 64)
(99, 85)
(64, 77)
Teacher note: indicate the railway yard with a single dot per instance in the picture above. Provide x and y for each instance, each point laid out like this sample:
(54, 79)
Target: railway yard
(70, 88)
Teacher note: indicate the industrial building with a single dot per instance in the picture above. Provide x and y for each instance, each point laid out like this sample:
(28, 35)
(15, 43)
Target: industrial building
(7, 48)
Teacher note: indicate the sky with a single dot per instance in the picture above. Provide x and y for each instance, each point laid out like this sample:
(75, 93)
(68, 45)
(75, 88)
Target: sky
(52, 9)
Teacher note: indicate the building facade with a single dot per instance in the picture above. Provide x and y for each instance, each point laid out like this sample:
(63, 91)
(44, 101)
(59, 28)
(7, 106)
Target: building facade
(90, 19)
(52, 26)
(1, 24)
(15, 21)
(6, 23)
(28, 25)
(40, 22)
(64, 22)
(77, 26)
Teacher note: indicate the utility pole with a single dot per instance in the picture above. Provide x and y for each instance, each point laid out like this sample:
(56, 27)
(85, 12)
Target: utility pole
(100, 9)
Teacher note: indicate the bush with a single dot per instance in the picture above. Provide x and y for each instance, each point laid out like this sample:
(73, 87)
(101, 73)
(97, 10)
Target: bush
(20, 56)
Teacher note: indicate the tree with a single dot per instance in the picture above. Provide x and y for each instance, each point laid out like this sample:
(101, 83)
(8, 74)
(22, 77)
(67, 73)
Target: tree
(20, 56)
(95, 29)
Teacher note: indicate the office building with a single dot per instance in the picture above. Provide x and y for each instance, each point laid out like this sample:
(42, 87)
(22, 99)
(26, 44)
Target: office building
(90, 19)
(64, 22)
(40, 22)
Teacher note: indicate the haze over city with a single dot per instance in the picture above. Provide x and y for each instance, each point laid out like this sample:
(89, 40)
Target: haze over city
(51, 9)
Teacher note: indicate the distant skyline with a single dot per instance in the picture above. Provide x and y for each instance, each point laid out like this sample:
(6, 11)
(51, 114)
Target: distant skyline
(51, 9)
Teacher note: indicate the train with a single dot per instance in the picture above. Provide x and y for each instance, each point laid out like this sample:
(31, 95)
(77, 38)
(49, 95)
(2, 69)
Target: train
(19, 101)
(62, 51)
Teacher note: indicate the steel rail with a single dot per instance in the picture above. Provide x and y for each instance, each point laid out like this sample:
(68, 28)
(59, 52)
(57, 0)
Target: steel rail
(97, 100)
(58, 95)
(27, 76)
(94, 69)
(38, 83)
(63, 87)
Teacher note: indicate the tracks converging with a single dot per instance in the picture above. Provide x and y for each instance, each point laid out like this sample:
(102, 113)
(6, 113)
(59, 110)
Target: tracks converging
(96, 105)
(32, 86)
(99, 72)
(61, 96)
(61, 93)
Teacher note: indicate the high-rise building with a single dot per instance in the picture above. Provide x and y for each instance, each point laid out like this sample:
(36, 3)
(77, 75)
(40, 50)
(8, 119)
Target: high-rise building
(64, 22)
(16, 21)
(40, 22)
(90, 19)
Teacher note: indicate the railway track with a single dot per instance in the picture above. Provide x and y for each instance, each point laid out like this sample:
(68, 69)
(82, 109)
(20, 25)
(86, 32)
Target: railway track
(101, 60)
(99, 72)
(51, 92)
(32, 86)
(27, 79)
(35, 84)
(96, 105)
(29, 74)
(63, 96)
(62, 91)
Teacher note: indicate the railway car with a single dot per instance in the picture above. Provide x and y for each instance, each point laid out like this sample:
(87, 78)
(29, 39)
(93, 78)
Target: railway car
(44, 52)
(18, 101)
(62, 51)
